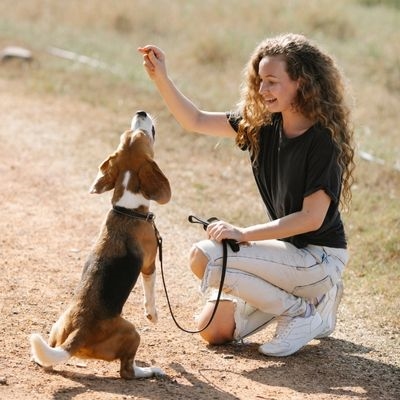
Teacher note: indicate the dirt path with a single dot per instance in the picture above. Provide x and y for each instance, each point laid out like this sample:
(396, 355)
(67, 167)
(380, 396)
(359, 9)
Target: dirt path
(48, 158)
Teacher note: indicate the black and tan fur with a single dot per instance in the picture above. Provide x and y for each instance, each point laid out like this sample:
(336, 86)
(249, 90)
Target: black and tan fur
(92, 325)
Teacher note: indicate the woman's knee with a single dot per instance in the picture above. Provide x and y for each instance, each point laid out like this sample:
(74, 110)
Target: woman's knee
(222, 327)
(198, 261)
(215, 337)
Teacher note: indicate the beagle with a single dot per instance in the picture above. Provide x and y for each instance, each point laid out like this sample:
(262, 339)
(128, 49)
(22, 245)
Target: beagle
(92, 325)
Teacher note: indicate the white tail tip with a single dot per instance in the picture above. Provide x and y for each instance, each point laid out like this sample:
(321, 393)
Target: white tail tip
(45, 355)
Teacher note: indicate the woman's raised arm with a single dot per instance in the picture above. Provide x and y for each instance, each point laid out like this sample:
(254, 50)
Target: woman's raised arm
(188, 115)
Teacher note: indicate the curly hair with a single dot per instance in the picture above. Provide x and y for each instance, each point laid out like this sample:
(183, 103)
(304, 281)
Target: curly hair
(320, 97)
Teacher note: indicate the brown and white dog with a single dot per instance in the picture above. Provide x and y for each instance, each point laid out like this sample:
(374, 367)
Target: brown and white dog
(92, 325)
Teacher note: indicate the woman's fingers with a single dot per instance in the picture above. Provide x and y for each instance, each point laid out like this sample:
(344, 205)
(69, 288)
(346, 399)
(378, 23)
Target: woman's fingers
(217, 230)
(221, 230)
(148, 63)
(154, 50)
(153, 59)
(145, 49)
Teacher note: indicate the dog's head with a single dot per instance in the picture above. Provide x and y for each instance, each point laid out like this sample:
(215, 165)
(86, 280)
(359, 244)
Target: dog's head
(131, 170)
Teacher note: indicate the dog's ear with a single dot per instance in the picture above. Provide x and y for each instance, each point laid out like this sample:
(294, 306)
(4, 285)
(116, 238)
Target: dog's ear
(106, 177)
(154, 185)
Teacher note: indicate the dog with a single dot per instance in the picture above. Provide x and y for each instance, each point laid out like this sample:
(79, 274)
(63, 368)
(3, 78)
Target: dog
(92, 325)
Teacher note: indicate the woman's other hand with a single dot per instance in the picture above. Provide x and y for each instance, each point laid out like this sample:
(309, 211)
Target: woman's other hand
(220, 230)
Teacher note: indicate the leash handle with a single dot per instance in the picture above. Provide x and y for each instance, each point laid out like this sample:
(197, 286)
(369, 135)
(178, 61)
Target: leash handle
(196, 220)
(233, 244)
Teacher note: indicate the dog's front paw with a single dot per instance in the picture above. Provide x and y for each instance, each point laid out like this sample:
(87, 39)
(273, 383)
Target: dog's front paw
(152, 315)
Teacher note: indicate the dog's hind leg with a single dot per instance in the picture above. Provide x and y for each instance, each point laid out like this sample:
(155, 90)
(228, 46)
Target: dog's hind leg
(57, 333)
(120, 341)
(128, 349)
(113, 339)
(149, 282)
(62, 328)
(127, 340)
(147, 372)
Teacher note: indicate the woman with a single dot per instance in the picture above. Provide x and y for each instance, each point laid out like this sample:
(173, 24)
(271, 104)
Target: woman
(293, 120)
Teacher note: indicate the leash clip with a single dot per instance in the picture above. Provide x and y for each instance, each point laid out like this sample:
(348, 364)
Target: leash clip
(150, 217)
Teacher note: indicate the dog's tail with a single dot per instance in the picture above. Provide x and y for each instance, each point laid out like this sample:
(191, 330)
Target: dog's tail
(45, 355)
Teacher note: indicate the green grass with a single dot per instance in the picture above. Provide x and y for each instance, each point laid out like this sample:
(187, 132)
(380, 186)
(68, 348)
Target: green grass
(207, 44)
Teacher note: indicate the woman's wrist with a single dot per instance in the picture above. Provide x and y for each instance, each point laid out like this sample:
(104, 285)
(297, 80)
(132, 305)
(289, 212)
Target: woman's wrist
(254, 233)
(244, 235)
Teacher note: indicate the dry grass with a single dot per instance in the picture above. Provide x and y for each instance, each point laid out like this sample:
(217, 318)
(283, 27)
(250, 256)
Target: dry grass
(207, 45)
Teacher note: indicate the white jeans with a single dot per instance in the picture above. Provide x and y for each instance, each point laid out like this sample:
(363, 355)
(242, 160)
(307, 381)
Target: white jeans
(270, 278)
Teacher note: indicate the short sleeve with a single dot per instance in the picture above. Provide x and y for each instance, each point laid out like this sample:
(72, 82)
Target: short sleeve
(234, 119)
(323, 170)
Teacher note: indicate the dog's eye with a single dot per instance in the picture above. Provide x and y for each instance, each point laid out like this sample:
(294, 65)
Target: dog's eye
(153, 131)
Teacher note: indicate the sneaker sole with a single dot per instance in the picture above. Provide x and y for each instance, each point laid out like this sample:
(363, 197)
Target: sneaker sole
(289, 351)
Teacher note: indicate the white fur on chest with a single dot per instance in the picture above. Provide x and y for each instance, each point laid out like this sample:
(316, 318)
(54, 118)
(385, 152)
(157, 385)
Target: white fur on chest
(129, 199)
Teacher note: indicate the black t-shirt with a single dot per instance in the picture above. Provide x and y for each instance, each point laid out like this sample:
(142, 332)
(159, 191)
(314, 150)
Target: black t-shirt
(287, 170)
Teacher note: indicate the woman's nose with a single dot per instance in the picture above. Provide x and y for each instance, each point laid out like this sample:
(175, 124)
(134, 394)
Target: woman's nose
(263, 88)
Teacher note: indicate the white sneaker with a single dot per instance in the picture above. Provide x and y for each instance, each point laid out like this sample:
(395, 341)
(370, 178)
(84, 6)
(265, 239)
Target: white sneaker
(328, 307)
(292, 333)
(249, 320)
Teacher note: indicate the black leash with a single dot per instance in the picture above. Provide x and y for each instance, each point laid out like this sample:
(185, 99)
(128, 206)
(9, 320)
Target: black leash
(234, 246)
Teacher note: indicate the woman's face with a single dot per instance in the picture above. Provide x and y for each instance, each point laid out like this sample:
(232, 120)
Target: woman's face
(276, 87)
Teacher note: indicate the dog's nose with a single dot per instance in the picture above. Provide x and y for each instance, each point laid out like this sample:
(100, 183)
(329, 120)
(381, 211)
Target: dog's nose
(141, 113)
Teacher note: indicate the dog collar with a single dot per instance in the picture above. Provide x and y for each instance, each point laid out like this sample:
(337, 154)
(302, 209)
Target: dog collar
(149, 217)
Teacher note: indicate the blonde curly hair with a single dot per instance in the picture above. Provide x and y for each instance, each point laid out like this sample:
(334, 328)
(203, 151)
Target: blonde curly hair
(320, 97)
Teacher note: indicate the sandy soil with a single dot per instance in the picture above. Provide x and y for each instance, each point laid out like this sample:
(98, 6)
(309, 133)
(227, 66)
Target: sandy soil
(49, 152)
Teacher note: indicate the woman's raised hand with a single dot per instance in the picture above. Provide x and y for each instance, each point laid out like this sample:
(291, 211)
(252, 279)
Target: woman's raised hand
(153, 61)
